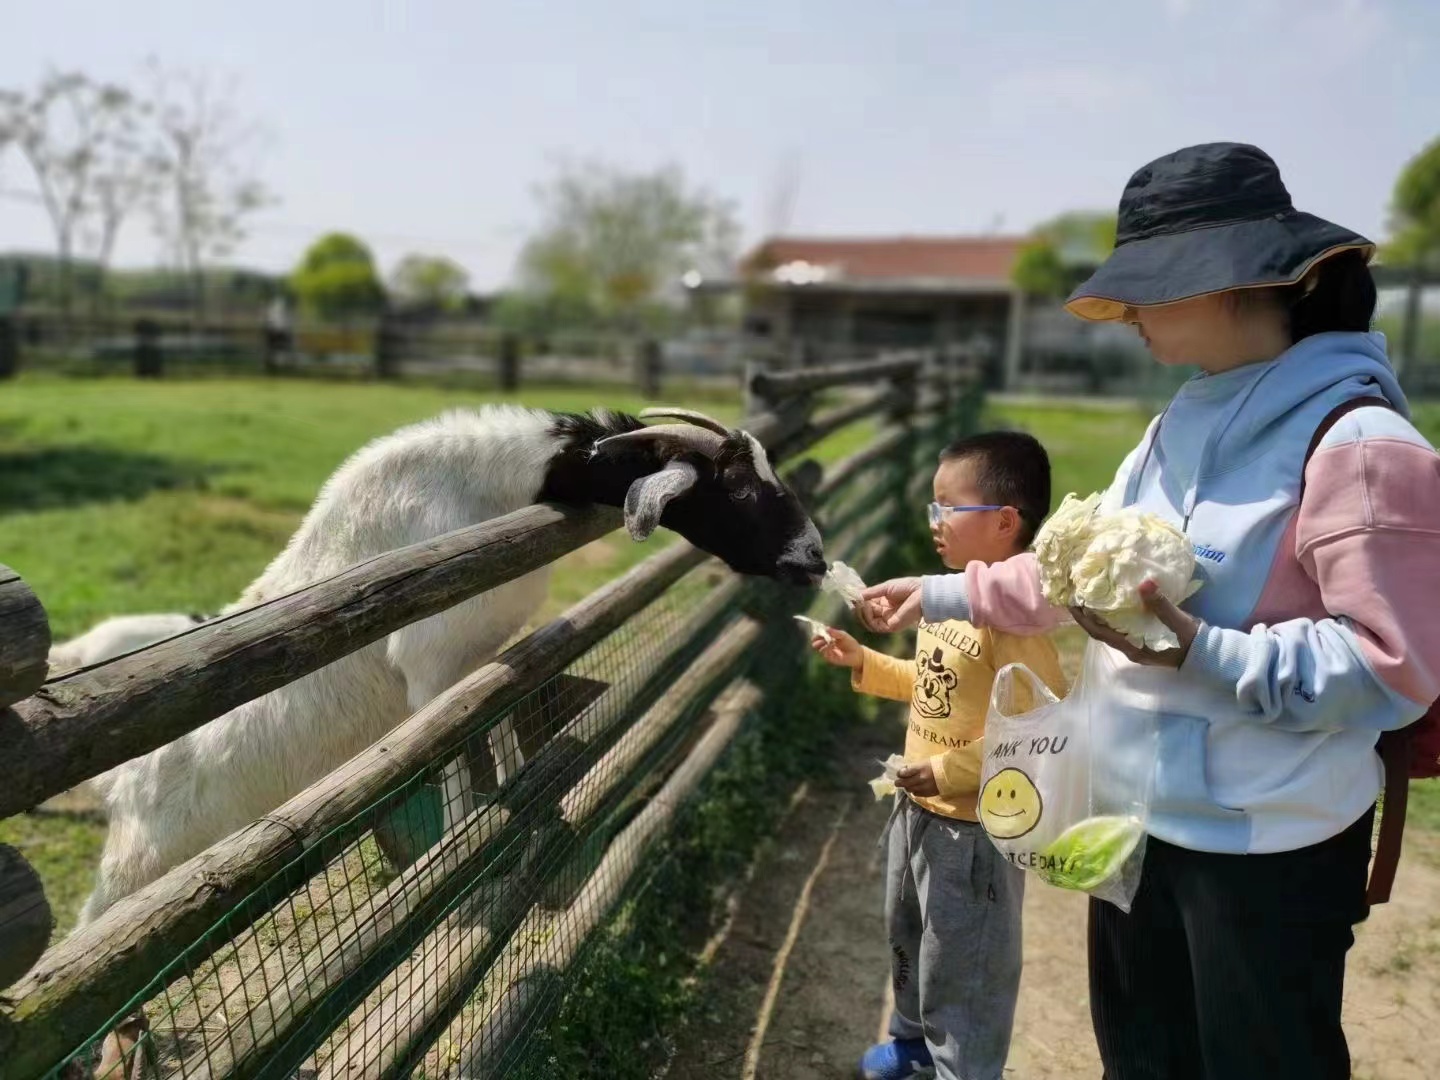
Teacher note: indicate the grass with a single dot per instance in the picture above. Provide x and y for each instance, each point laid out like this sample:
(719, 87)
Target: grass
(119, 496)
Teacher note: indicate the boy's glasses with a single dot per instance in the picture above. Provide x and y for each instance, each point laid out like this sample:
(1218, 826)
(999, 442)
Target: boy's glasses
(939, 511)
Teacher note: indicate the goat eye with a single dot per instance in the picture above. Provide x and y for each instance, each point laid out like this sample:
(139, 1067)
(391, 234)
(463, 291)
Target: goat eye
(743, 494)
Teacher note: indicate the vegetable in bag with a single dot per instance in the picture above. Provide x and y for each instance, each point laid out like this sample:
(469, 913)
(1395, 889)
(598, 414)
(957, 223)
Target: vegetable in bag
(1090, 852)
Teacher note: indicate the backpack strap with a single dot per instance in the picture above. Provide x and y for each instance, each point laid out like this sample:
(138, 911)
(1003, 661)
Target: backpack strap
(1393, 746)
(1333, 417)
(1394, 749)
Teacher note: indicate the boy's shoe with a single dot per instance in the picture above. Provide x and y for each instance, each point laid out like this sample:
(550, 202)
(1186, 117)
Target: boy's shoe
(896, 1060)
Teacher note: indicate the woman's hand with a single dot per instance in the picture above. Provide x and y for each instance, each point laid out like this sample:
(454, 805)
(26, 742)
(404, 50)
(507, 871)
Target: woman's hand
(1185, 627)
(890, 606)
(842, 650)
(918, 780)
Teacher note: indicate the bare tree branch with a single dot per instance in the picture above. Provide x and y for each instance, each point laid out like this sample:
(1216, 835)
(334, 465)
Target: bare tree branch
(64, 131)
(209, 186)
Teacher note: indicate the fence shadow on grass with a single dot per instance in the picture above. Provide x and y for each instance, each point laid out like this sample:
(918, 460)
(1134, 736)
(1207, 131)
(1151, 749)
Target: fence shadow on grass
(63, 477)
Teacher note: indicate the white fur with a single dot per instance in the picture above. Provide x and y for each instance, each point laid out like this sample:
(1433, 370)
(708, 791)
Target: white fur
(459, 469)
(115, 637)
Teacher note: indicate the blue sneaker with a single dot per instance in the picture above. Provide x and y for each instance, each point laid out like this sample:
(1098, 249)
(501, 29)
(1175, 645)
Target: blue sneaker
(895, 1060)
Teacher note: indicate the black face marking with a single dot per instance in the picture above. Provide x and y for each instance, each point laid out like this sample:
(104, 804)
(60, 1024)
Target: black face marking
(756, 526)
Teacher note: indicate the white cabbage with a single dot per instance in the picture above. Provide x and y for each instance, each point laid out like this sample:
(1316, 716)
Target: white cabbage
(1098, 561)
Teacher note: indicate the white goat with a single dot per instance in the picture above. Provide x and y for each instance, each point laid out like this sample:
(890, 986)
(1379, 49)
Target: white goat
(712, 485)
(116, 637)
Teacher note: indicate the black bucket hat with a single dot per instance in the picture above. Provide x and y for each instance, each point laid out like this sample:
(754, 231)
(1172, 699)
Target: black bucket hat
(1207, 219)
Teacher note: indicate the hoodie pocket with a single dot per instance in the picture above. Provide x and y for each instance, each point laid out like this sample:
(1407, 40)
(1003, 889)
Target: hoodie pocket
(1184, 810)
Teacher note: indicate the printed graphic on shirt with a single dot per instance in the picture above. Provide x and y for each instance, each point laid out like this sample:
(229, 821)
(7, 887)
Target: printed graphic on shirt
(933, 683)
(964, 643)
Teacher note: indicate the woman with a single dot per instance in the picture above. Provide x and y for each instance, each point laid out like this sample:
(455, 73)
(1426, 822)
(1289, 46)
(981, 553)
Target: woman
(1309, 636)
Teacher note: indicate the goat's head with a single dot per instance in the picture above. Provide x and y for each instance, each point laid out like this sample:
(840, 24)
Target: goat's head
(715, 486)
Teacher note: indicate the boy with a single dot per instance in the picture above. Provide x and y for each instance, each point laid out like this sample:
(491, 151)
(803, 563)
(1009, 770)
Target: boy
(952, 902)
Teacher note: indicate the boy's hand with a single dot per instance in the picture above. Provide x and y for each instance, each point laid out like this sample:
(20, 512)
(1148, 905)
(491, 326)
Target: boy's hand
(842, 650)
(892, 605)
(918, 780)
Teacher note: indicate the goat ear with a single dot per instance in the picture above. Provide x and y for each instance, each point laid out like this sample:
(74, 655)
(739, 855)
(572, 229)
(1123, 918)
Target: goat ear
(647, 498)
(805, 477)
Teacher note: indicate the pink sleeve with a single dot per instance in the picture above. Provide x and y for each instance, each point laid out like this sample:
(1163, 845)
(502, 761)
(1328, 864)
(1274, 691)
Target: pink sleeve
(1003, 596)
(1368, 534)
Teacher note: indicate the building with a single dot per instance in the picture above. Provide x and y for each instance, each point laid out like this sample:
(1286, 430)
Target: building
(837, 296)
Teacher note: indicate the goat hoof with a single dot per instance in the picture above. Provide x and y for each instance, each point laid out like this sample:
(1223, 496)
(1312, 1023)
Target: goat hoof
(119, 1059)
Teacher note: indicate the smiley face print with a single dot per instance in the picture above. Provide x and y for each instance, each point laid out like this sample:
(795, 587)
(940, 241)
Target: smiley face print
(1009, 805)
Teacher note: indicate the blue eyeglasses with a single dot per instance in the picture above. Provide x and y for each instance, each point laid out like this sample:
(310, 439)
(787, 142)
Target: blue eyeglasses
(938, 511)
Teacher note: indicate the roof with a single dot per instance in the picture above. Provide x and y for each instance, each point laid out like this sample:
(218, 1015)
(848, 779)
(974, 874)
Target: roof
(968, 260)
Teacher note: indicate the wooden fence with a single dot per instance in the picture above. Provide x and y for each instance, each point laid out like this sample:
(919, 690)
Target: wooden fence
(440, 350)
(628, 699)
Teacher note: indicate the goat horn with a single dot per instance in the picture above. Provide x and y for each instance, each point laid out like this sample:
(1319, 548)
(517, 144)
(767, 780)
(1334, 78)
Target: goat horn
(690, 416)
(682, 436)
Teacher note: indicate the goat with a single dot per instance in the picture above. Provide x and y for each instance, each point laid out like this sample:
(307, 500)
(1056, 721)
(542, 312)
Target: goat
(116, 637)
(713, 485)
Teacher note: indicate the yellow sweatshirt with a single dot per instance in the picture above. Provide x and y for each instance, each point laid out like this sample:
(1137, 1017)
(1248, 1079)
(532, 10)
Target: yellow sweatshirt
(948, 686)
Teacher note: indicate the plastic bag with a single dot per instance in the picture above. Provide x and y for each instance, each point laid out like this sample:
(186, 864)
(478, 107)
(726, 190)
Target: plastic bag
(1065, 785)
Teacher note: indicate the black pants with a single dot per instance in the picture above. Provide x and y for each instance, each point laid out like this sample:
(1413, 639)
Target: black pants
(1229, 967)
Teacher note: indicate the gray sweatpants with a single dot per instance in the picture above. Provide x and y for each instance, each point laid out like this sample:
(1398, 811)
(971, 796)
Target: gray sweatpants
(952, 907)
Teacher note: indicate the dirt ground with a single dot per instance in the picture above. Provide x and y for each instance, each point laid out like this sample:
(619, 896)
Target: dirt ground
(799, 977)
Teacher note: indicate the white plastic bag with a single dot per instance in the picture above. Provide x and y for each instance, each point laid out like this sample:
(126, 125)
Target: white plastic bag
(1065, 785)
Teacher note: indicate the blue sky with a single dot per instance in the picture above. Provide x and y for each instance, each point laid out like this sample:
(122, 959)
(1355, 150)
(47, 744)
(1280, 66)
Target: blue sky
(424, 126)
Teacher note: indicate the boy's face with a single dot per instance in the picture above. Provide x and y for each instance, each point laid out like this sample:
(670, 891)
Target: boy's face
(965, 536)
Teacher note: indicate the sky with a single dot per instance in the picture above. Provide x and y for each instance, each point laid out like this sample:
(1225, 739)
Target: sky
(425, 126)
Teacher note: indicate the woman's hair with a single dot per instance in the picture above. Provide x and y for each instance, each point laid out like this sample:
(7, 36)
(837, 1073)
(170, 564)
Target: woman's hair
(1338, 294)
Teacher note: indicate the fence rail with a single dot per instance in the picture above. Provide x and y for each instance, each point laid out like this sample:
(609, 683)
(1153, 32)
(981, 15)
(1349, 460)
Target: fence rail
(397, 972)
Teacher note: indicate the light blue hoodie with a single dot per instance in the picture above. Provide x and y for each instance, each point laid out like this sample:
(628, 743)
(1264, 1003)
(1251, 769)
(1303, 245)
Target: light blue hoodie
(1267, 731)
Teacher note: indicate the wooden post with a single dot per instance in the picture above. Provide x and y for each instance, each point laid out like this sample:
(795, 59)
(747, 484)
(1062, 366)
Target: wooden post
(509, 362)
(24, 639)
(149, 359)
(272, 342)
(903, 386)
(25, 920)
(1409, 353)
(9, 347)
(649, 363)
(387, 348)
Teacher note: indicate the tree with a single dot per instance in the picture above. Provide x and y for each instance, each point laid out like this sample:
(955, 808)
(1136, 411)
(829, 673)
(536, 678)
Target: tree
(208, 187)
(79, 137)
(1415, 211)
(1063, 249)
(617, 243)
(1415, 240)
(430, 281)
(336, 279)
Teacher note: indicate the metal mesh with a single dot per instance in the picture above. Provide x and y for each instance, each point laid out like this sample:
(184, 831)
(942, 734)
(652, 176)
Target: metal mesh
(431, 932)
